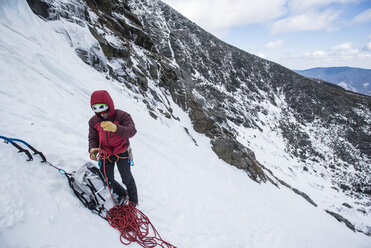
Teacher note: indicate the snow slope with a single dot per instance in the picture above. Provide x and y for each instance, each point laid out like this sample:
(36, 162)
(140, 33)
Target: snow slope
(192, 198)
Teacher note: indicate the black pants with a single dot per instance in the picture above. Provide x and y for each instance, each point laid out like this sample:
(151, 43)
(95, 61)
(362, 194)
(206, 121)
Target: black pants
(123, 166)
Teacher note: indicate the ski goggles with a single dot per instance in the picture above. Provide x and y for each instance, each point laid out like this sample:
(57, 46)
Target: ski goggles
(100, 108)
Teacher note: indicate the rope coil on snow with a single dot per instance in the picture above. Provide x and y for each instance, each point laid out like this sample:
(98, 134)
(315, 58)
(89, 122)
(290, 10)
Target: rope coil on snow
(133, 224)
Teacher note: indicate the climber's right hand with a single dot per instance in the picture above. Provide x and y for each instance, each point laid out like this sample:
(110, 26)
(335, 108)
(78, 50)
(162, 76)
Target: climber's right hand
(94, 153)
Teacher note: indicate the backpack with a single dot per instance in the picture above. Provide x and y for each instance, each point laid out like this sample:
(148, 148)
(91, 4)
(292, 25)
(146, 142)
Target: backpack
(89, 185)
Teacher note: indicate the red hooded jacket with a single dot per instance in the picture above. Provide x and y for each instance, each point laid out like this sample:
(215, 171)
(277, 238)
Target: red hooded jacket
(111, 143)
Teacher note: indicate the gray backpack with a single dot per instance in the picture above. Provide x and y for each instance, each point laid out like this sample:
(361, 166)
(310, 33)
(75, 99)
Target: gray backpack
(89, 185)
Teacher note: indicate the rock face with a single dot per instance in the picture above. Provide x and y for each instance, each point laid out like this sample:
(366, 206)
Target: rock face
(158, 54)
(342, 219)
(235, 86)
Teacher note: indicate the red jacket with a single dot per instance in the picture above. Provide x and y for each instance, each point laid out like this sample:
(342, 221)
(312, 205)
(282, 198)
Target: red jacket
(111, 143)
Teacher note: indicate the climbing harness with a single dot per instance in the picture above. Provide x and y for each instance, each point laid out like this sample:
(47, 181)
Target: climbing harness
(133, 224)
(99, 153)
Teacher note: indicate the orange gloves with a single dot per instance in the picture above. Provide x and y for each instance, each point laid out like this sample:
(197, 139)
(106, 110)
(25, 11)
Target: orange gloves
(108, 126)
(94, 153)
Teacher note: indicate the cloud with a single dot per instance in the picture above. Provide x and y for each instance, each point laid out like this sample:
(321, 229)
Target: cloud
(306, 21)
(343, 54)
(216, 15)
(274, 44)
(316, 54)
(367, 47)
(304, 5)
(365, 16)
(345, 49)
(343, 46)
(285, 15)
(328, 58)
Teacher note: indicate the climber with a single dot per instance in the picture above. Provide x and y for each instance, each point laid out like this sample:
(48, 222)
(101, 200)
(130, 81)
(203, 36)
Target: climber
(109, 133)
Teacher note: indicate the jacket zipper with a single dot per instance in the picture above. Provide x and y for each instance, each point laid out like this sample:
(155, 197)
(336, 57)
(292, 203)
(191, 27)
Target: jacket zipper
(109, 133)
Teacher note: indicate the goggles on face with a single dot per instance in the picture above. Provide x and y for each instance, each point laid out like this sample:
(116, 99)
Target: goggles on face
(99, 108)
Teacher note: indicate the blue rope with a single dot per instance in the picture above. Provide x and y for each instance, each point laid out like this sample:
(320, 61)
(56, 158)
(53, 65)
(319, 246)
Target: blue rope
(19, 140)
(6, 139)
(13, 140)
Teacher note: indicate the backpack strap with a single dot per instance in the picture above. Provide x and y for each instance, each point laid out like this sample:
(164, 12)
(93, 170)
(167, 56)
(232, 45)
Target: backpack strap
(78, 194)
(94, 191)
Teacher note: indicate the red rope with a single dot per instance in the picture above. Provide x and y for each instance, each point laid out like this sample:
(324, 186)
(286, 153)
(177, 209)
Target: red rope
(135, 226)
(132, 223)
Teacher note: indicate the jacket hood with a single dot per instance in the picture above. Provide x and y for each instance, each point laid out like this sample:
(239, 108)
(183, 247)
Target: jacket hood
(102, 96)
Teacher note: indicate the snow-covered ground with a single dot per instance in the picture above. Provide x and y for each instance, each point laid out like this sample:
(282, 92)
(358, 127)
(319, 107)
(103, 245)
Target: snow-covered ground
(310, 177)
(193, 198)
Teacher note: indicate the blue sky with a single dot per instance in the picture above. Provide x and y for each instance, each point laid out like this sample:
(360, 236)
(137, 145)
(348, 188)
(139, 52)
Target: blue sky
(298, 34)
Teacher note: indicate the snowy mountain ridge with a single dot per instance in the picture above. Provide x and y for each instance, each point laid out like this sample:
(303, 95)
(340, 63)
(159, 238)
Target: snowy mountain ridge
(250, 100)
(256, 100)
(147, 90)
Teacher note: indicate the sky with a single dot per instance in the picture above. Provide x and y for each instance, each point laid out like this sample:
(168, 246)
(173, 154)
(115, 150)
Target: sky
(298, 34)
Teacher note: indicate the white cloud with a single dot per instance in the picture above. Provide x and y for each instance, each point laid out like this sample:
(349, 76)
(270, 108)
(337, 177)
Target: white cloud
(365, 16)
(304, 5)
(310, 60)
(306, 21)
(341, 55)
(316, 54)
(365, 56)
(345, 49)
(296, 15)
(343, 46)
(274, 44)
(216, 15)
(367, 47)
(322, 58)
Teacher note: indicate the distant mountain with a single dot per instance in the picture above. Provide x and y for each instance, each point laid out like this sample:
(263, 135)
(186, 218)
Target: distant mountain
(350, 78)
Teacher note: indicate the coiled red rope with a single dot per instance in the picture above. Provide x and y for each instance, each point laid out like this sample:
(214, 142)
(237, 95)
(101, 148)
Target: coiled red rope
(133, 224)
